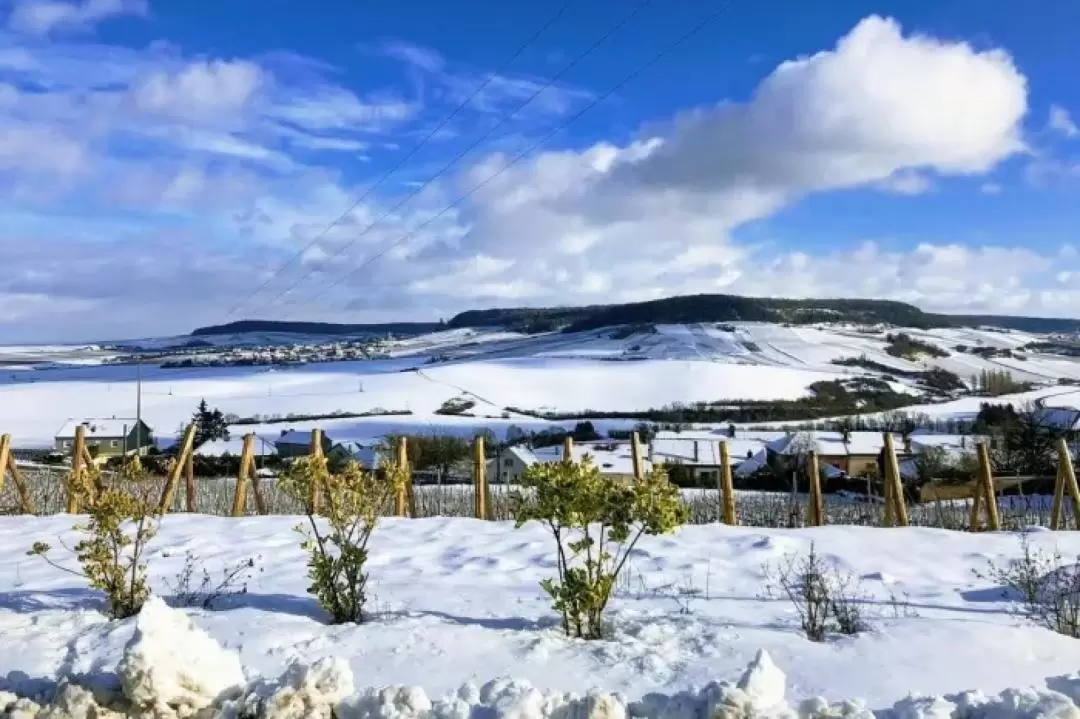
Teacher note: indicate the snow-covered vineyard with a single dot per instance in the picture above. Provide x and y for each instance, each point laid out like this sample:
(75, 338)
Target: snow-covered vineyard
(457, 601)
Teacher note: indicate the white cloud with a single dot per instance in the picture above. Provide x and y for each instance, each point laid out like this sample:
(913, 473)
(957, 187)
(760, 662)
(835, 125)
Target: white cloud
(654, 216)
(201, 90)
(41, 17)
(991, 188)
(1062, 123)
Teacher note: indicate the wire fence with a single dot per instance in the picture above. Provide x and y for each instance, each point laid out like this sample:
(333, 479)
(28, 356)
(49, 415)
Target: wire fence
(454, 497)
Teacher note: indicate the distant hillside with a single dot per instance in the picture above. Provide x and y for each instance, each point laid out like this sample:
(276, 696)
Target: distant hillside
(318, 328)
(682, 309)
(699, 308)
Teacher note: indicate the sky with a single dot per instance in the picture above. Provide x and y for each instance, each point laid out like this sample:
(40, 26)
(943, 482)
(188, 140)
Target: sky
(166, 164)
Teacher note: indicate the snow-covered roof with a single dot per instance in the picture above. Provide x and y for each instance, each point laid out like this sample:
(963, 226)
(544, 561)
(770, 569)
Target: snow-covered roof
(294, 436)
(113, 427)
(955, 444)
(703, 451)
(234, 446)
(832, 444)
(1058, 417)
(611, 457)
(525, 455)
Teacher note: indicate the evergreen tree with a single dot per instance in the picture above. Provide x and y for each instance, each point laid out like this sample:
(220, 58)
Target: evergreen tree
(210, 424)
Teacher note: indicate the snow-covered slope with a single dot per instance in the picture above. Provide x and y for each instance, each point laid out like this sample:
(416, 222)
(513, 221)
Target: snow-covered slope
(459, 600)
(613, 369)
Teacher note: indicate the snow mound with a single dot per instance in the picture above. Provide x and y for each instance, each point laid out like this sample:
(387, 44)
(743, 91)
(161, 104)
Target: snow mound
(173, 669)
(172, 665)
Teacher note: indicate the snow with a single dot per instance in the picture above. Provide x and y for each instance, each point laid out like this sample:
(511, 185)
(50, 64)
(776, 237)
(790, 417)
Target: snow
(458, 601)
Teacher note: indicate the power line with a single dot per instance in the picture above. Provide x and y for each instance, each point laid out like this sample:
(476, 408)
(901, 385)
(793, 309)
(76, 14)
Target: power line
(522, 155)
(409, 155)
(536, 93)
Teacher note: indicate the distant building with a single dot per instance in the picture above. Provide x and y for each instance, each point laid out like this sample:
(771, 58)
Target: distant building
(292, 444)
(612, 458)
(106, 437)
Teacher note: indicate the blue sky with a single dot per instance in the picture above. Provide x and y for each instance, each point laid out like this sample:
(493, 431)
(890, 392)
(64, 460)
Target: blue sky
(170, 164)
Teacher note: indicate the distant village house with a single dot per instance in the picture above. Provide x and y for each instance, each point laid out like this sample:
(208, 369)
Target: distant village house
(111, 437)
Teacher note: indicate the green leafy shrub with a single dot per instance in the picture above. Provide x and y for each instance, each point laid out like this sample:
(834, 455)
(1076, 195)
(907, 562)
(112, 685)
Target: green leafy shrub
(337, 542)
(596, 523)
(122, 519)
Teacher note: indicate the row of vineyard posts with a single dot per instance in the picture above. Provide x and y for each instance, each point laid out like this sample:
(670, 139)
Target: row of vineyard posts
(894, 511)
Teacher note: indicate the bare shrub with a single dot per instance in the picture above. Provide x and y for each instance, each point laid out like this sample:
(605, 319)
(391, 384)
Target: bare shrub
(826, 601)
(121, 522)
(204, 592)
(1047, 587)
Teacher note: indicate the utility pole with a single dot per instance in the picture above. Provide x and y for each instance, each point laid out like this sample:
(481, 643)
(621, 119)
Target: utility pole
(138, 408)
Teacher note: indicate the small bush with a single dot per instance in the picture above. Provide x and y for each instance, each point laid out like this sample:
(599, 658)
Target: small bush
(337, 553)
(596, 524)
(208, 594)
(1047, 587)
(825, 600)
(122, 521)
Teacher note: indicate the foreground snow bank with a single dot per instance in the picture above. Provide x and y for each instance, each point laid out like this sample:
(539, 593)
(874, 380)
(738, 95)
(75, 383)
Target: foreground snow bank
(172, 668)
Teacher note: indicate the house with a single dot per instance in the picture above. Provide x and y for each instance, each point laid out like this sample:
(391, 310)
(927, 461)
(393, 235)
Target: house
(111, 437)
(853, 453)
(1063, 419)
(510, 464)
(612, 458)
(292, 444)
(699, 450)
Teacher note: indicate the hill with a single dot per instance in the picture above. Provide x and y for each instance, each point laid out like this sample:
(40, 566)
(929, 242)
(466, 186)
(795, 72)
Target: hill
(672, 310)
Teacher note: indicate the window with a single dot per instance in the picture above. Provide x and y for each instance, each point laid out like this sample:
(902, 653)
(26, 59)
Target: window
(114, 443)
(67, 444)
(509, 462)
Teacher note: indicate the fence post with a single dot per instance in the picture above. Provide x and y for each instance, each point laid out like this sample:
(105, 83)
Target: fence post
(403, 465)
(635, 458)
(894, 488)
(189, 481)
(77, 465)
(984, 492)
(169, 491)
(568, 448)
(480, 479)
(1066, 480)
(240, 496)
(727, 488)
(817, 506)
(7, 464)
(314, 490)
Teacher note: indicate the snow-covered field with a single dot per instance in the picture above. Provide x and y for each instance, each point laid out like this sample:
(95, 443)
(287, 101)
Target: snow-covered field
(553, 372)
(458, 601)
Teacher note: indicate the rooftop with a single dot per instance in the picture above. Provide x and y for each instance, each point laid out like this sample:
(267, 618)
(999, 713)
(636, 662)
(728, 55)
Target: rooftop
(117, 427)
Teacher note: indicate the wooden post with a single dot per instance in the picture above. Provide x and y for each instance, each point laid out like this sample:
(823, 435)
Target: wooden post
(189, 481)
(568, 448)
(480, 480)
(895, 487)
(78, 460)
(1059, 495)
(817, 505)
(167, 494)
(315, 490)
(5, 452)
(727, 488)
(984, 491)
(1066, 482)
(7, 464)
(240, 496)
(403, 465)
(635, 458)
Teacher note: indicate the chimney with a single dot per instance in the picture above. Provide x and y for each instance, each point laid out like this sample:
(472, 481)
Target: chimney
(696, 453)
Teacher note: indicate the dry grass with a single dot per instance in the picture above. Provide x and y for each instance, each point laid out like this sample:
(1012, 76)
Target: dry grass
(755, 509)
